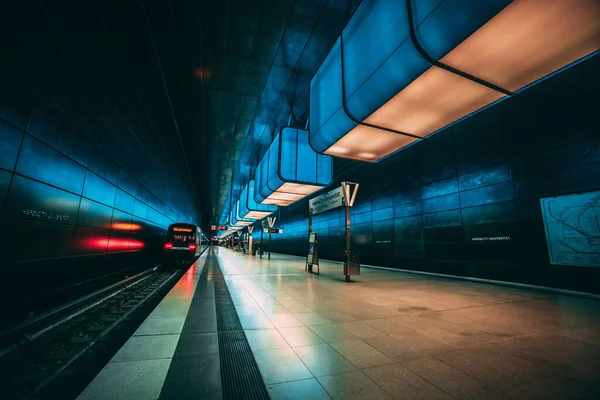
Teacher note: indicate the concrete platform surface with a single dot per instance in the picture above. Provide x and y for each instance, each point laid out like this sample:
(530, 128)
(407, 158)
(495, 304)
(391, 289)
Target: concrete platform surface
(386, 334)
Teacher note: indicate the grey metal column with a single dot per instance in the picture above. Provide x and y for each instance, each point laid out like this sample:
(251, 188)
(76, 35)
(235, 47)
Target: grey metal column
(347, 270)
(262, 231)
(269, 243)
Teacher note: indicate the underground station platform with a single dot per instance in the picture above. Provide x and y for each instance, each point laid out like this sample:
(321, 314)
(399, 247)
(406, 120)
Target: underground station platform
(237, 326)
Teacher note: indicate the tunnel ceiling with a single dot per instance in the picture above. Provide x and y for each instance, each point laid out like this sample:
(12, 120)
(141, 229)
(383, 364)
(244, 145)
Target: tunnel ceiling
(203, 84)
(238, 69)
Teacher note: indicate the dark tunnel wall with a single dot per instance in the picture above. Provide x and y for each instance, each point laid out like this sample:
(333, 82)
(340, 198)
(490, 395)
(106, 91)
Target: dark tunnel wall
(87, 186)
(483, 177)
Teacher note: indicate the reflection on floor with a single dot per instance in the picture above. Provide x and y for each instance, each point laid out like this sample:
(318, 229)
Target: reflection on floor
(396, 335)
(385, 335)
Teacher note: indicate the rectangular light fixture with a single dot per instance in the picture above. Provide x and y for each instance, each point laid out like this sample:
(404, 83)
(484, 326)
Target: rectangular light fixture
(291, 170)
(249, 208)
(239, 220)
(436, 63)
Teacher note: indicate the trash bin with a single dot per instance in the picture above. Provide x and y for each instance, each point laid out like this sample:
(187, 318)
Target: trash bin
(254, 251)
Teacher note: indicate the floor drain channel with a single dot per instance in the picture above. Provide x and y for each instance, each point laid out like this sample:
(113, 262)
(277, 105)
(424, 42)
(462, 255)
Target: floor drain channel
(240, 376)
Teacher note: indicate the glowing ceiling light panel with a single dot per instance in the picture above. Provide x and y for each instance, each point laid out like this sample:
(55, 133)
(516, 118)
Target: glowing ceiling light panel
(291, 170)
(242, 221)
(437, 62)
(249, 208)
(235, 220)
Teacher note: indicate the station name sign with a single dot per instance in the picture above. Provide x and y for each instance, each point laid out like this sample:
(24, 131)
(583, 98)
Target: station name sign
(491, 239)
(218, 228)
(327, 201)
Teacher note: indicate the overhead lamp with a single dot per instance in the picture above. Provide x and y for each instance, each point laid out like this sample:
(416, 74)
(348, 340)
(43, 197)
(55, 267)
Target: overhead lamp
(249, 208)
(291, 170)
(405, 69)
(238, 221)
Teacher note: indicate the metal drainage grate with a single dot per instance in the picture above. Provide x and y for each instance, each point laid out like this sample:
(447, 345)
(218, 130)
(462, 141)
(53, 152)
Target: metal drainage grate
(240, 376)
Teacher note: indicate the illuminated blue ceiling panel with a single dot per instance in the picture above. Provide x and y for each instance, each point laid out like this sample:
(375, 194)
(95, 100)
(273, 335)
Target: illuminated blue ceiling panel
(403, 70)
(239, 220)
(291, 170)
(249, 208)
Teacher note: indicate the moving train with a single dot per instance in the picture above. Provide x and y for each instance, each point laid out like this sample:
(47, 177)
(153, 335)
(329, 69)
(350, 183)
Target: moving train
(183, 244)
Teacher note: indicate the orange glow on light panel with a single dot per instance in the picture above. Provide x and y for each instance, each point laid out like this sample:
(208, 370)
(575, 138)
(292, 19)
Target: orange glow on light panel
(257, 214)
(289, 192)
(430, 102)
(298, 188)
(527, 40)
(368, 144)
(243, 223)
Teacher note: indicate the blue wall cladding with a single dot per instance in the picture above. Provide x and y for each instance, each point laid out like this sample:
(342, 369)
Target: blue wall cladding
(480, 215)
(403, 70)
(291, 169)
(249, 208)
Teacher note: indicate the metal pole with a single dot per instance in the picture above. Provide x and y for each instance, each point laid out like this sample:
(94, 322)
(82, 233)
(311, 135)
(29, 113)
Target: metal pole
(347, 243)
(269, 243)
(262, 243)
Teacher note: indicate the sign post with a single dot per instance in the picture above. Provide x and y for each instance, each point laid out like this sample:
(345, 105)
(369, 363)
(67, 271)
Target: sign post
(351, 264)
(265, 225)
(271, 222)
(313, 254)
(250, 241)
(342, 196)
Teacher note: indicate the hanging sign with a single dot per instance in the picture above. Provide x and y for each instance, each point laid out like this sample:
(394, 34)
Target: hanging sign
(273, 230)
(325, 202)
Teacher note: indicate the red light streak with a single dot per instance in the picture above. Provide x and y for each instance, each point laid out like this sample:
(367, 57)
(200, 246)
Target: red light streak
(115, 243)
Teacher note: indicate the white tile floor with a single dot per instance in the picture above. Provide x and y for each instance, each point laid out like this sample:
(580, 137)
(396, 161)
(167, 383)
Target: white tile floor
(385, 335)
(397, 335)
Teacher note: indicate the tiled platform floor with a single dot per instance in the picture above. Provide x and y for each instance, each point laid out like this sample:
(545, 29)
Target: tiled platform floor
(386, 335)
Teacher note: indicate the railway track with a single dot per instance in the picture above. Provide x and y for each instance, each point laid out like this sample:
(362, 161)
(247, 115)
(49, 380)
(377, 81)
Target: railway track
(60, 357)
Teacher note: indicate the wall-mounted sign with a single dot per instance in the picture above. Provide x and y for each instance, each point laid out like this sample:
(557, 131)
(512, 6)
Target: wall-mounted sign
(572, 225)
(328, 201)
(180, 229)
(46, 215)
(218, 228)
(491, 239)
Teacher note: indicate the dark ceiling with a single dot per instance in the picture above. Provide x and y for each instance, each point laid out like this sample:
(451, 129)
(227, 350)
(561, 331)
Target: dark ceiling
(237, 71)
(212, 79)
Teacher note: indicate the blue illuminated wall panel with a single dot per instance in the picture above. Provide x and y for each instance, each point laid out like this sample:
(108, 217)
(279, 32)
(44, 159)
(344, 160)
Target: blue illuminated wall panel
(468, 202)
(73, 210)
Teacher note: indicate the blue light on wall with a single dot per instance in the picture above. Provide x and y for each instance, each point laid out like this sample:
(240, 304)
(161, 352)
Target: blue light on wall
(291, 170)
(249, 208)
(403, 70)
